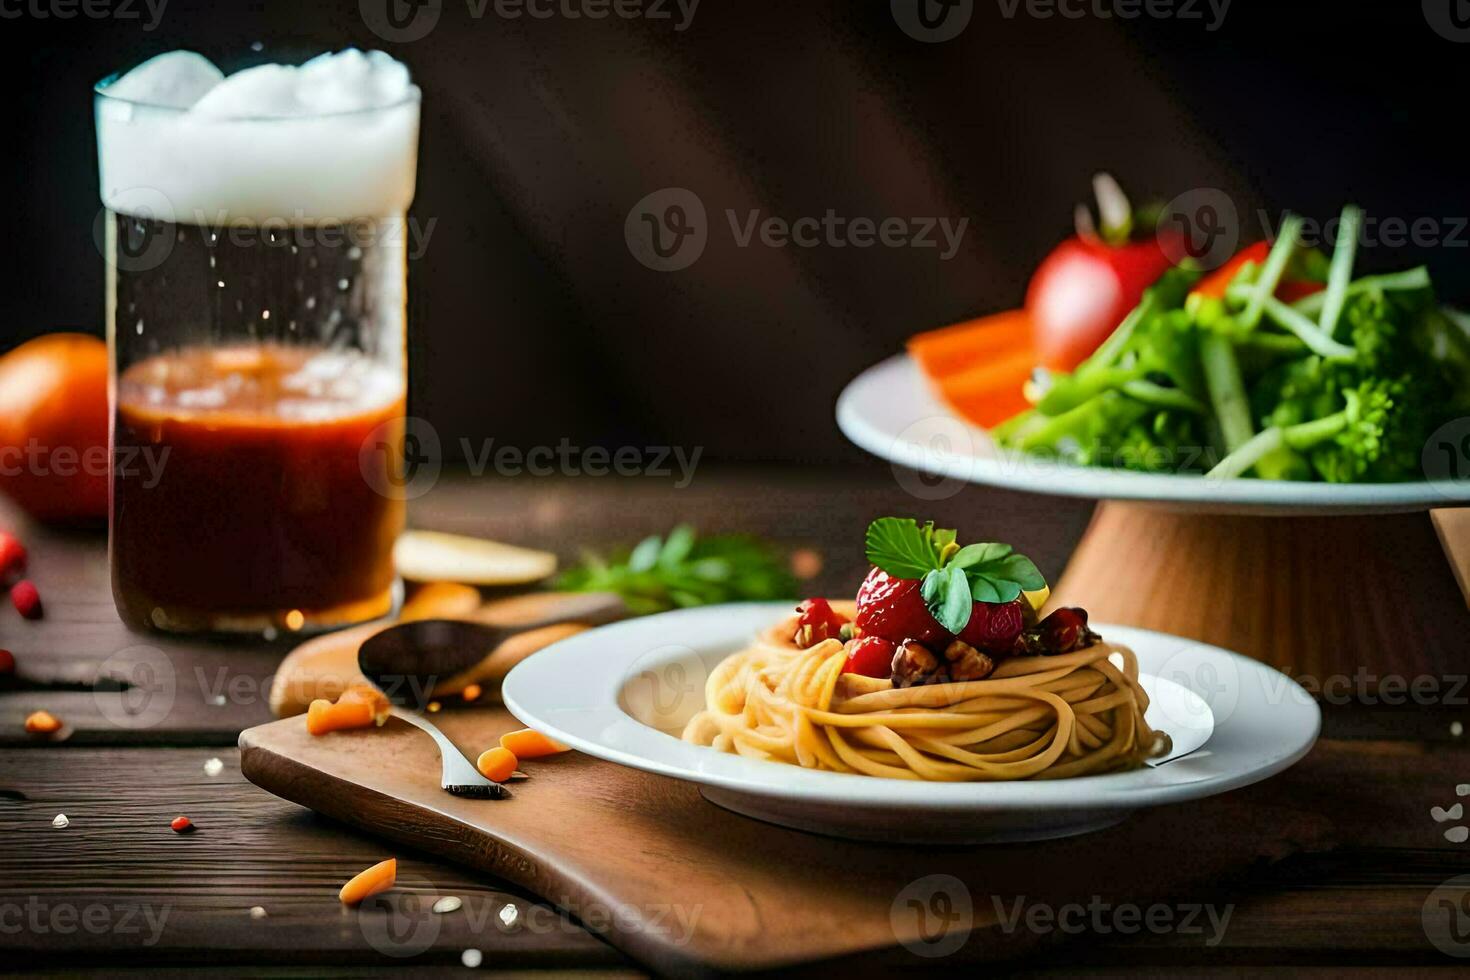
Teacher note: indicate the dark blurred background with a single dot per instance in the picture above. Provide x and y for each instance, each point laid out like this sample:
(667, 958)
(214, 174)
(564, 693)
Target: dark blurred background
(531, 320)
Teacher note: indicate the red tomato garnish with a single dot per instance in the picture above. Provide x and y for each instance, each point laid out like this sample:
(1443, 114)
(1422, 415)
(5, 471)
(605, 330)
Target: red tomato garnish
(994, 626)
(1083, 290)
(823, 620)
(893, 609)
(871, 656)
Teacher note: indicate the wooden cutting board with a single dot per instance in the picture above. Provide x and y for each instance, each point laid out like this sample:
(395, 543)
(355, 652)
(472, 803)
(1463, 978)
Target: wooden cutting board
(685, 886)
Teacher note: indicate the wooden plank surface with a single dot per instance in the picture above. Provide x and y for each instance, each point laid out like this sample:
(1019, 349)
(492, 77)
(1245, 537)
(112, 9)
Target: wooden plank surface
(753, 913)
(189, 691)
(1359, 905)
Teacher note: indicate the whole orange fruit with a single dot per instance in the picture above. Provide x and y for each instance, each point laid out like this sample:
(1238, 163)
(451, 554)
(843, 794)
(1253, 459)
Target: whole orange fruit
(53, 427)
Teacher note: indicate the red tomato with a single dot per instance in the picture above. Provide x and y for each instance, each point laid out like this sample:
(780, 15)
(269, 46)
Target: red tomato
(1082, 291)
(824, 621)
(872, 656)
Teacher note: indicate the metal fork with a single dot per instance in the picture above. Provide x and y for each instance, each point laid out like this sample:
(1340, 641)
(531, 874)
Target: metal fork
(458, 776)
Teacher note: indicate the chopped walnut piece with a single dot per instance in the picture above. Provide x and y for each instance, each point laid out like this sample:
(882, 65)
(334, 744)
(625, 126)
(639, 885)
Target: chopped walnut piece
(966, 663)
(915, 665)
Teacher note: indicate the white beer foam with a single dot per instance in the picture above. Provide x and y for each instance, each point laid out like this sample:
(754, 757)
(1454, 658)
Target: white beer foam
(333, 139)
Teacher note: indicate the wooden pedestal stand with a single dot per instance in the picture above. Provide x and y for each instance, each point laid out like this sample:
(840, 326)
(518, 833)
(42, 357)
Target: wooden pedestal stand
(1312, 596)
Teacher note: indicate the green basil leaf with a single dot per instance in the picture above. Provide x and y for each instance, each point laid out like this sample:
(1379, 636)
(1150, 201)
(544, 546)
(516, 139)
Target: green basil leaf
(645, 555)
(980, 554)
(1021, 570)
(946, 593)
(900, 547)
(983, 588)
(676, 546)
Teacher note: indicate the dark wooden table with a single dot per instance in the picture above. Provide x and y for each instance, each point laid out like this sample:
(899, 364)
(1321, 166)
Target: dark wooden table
(118, 890)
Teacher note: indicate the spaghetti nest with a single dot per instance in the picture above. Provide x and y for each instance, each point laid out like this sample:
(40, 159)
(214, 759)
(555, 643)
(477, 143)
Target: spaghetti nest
(1049, 717)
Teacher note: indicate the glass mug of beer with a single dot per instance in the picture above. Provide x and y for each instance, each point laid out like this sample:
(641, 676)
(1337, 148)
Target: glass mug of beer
(253, 230)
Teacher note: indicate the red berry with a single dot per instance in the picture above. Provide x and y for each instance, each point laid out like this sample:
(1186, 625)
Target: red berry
(893, 609)
(12, 556)
(994, 626)
(181, 824)
(7, 663)
(823, 620)
(26, 599)
(1063, 630)
(871, 656)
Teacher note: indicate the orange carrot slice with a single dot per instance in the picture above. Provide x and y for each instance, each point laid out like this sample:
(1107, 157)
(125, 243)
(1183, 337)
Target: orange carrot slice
(496, 764)
(379, 878)
(42, 723)
(955, 348)
(528, 744)
(370, 696)
(323, 716)
(992, 392)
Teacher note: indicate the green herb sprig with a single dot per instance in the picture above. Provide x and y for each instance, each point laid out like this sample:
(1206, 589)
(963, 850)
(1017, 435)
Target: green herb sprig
(681, 569)
(952, 578)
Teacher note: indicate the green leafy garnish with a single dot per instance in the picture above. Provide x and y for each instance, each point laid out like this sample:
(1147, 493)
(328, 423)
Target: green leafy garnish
(1343, 384)
(680, 569)
(953, 578)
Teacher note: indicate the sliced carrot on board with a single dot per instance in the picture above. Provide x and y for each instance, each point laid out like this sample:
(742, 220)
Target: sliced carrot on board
(379, 878)
(964, 345)
(496, 764)
(370, 696)
(323, 716)
(528, 744)
(992, 392)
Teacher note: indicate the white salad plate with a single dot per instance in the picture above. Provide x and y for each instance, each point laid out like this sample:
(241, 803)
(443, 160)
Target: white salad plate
(623, 692)
(890, 411)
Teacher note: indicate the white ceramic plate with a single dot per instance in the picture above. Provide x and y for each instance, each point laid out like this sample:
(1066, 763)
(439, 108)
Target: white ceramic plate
(618, 691)
(889, 411)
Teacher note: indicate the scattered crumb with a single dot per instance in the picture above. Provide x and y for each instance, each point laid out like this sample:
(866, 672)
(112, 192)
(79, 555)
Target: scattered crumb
(509, 915)
(257, 912)
(60, 821)
(1456, 729)
(434, 706)
(471, 693)
(471, 958)
(449, 903)
(213, 767)
(218, 700)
